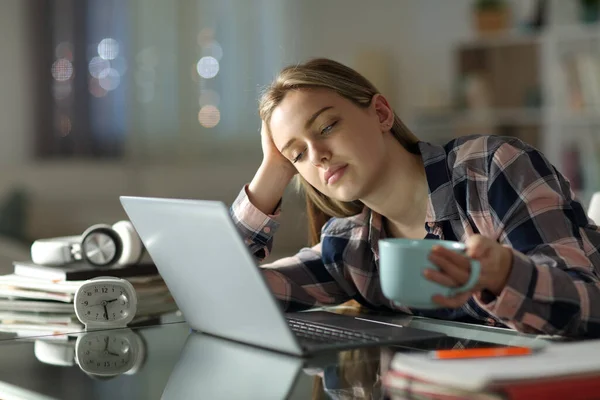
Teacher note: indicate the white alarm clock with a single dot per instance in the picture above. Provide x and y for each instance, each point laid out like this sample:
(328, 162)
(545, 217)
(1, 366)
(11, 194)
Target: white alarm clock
(110, 352)
(105, 302)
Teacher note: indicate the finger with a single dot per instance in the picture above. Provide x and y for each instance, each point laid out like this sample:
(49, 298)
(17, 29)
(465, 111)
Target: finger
(452, 302)
(478, 246)
(459, 274)
(439, 277)
(451, 255)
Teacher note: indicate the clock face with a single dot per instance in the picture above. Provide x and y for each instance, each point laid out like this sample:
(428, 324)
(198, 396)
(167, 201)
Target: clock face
(107, 353)
(105, 303)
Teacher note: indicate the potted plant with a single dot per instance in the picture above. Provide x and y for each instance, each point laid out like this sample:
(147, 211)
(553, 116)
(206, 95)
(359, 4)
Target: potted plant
(589, 11)
(491, 16)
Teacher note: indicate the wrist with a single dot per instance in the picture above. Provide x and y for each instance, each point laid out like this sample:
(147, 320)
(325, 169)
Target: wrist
(506, 261)
(267, 187)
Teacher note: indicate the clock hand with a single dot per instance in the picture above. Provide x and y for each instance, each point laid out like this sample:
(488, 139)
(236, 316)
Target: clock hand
(110, 301)
(105, 312)
(106, 343)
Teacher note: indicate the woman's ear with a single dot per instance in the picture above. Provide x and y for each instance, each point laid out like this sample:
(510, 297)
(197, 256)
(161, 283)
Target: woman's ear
(384, 112)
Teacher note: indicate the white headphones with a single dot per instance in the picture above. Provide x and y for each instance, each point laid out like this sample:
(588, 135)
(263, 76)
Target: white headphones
(100, 245)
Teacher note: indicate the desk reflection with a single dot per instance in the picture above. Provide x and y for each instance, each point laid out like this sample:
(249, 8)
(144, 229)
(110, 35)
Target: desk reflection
(215, 368)
(100, 354)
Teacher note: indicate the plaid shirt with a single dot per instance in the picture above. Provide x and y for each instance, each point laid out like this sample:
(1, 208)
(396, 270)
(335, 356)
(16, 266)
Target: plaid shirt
(496, 186)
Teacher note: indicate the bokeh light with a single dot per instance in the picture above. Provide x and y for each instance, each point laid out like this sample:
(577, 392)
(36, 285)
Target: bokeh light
(95, 89)
(64, 50)
(97, 65)
(205, 36)
(213, 49)
(62, 70)
(64, 125)
(61, 90)
(108, 48)
(209, 116)
(109, 79)
(208, 67)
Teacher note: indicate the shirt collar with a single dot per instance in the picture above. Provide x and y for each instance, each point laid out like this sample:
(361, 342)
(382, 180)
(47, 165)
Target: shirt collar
(442, 204)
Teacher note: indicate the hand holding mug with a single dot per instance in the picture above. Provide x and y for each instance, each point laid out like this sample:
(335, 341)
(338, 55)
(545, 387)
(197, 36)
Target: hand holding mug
(402, 266)
(453, 269)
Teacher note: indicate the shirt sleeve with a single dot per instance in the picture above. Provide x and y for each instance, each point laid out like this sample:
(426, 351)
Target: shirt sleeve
(302, 281)
(298, 282)
(256, 228)
(553, 286)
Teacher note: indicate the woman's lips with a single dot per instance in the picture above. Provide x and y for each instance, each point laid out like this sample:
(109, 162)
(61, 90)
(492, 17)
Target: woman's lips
(335, 174)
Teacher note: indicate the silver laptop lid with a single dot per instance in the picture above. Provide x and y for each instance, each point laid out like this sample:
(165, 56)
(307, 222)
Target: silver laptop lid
(209, 271)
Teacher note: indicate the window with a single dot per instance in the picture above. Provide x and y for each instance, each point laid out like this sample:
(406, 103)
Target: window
(151, 79)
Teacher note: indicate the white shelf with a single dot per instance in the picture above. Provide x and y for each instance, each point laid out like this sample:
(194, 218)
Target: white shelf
(577, 33)
(576, 118)
(514, 38)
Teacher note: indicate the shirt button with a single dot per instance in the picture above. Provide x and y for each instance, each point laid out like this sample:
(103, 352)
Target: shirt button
(266, 229)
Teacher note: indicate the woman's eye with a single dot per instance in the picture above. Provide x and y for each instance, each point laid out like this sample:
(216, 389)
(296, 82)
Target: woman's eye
(328, 128)
(298, 157)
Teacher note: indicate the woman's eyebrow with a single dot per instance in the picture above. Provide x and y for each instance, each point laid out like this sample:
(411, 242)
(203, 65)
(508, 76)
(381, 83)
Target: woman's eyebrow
(310, 121)
(288, 144)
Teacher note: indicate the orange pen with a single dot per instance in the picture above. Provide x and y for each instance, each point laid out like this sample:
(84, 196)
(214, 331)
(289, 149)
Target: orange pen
(482, 352)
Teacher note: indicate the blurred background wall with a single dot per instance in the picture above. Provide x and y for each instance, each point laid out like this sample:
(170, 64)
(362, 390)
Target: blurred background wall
(101, 98)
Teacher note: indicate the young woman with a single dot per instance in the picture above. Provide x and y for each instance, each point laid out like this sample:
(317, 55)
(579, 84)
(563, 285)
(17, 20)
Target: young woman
(367, 177)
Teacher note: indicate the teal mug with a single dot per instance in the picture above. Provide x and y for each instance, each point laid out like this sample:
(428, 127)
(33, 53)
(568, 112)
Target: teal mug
(401, 266)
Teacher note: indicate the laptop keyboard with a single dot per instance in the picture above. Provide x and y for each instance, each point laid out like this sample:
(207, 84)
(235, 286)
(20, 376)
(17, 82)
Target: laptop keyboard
(321, 334)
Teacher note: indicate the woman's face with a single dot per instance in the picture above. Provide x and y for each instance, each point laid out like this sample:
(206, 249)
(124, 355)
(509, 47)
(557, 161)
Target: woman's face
(336, 146)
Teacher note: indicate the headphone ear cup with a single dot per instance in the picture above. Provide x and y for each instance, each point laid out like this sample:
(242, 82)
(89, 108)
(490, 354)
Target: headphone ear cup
(132, 246)
(101, 246)
(55, 251)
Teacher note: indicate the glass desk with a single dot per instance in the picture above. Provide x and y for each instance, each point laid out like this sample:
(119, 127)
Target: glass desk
(169, 361)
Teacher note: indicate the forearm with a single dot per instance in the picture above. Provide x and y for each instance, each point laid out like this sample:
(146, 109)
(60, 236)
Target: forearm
(267, 187)
(549, 299)
(301, 281)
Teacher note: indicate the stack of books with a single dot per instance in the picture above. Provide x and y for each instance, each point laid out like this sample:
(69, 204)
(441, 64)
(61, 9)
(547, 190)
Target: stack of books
(38, 299)
(557, 371)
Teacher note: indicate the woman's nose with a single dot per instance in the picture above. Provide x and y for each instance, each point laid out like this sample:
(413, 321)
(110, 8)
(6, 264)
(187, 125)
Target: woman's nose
(319, 157)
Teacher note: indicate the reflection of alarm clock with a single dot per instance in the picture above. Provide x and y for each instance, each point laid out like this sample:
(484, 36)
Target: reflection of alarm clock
(109, 353)
(105, 302)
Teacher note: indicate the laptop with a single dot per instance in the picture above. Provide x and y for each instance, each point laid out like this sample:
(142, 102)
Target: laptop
(220, 289)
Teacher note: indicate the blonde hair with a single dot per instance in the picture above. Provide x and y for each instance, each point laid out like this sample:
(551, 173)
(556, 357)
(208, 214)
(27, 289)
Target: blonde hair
(346, 82)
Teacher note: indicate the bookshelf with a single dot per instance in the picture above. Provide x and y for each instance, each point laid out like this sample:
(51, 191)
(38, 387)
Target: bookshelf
(543, 88)
(572, 119)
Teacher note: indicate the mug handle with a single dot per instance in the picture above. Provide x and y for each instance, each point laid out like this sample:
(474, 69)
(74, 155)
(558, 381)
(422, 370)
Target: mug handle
(473, 278)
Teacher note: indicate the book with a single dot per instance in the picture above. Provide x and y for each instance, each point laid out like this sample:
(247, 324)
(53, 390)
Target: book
(399, 386)
(551, 371)
(15, 293)
(29, 324)
(80, 271)
(25, 282)
(38, 318)
(18, 287)
(36, 306)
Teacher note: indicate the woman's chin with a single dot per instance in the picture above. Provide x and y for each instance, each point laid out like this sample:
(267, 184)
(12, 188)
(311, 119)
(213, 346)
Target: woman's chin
(345, 195)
